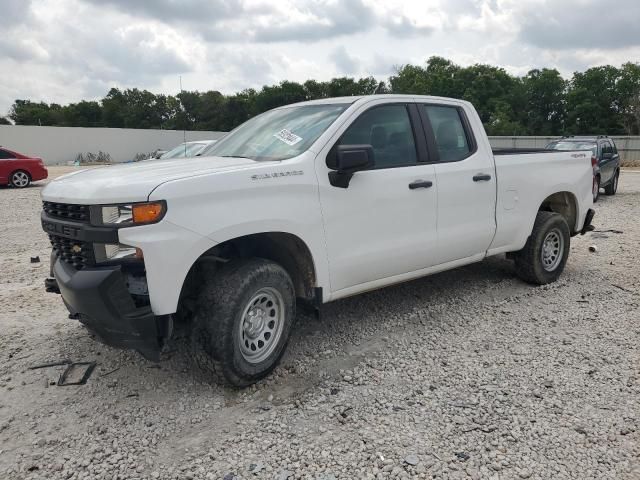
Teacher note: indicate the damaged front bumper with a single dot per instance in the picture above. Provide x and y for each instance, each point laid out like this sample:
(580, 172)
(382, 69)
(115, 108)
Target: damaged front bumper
(99, 298)
(587, 227)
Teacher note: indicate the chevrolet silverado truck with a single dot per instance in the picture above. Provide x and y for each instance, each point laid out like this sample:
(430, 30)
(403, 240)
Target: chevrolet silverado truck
(302, 205)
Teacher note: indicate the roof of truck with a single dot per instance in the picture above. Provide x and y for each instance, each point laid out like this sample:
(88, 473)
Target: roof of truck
(355, 98)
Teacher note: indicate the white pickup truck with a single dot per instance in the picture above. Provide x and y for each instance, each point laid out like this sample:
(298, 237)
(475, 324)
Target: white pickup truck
(310, 202)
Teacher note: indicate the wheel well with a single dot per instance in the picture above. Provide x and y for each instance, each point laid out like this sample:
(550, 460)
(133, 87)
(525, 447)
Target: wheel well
(563, 203)
(287, 250)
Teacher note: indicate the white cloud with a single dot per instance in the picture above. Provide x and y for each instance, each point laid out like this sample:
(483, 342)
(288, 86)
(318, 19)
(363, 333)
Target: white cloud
(67, 51)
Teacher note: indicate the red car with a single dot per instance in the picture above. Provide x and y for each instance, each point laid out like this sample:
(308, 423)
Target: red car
(19, 170)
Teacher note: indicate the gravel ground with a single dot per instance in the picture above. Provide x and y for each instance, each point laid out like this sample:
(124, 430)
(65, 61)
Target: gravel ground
(466, 374)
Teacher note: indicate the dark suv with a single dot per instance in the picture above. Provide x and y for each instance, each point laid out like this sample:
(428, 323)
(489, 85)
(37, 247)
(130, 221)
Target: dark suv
(604, 158)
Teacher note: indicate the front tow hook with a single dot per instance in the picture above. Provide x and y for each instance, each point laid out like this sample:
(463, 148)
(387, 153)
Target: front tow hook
(51, 285)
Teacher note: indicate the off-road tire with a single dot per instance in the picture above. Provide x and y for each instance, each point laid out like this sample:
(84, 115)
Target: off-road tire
(15, 183)
(528, 261)
(612, 188)
(214, 339)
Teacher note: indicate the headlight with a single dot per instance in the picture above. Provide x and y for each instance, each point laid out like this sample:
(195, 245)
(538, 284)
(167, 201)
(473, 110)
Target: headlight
(128, 215)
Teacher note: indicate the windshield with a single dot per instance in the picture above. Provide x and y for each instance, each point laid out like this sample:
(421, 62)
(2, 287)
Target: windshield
(191, 150)
(278, 134)
(566, 146)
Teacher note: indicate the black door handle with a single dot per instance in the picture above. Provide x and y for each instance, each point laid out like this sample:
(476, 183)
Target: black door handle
(481, 177)
(420, 184)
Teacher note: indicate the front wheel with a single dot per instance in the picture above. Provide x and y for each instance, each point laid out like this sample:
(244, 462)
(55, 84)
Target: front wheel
(243, 321)
(545, 254)
(612, 188)
(20, 179)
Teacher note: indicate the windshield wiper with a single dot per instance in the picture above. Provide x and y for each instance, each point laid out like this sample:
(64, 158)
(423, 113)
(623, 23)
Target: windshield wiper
(235, 156)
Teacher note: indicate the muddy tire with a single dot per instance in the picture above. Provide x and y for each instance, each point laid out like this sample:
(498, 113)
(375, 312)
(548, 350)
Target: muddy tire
(243, 321)
(545, 254)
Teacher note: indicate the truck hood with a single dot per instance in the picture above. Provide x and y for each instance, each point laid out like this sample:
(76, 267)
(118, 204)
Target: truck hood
(133, 182)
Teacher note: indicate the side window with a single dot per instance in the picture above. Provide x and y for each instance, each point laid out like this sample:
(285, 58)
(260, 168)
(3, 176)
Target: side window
(388, 130)
(606, 147)
(613, 147)
(4, 154)
(451, 137)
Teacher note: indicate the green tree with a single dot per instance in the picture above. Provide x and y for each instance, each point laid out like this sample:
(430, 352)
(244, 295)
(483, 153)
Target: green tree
(545, 102)
(592, 103)
(486, 87)
(82, 114)
(600, 100)
(440, 77)
(628, 95)
(315, 89)
(278, 95)
(239, 108)
(113, 109)
(26, 112)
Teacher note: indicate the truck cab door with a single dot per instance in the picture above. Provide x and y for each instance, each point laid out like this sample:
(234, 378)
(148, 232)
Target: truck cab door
(465, 175)
(383, 223)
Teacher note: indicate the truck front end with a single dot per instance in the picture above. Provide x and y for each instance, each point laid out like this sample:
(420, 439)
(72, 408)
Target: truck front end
(103, 281)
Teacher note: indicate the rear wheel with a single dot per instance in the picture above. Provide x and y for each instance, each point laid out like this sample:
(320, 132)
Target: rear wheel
(20, 179)
(612, 188)
(243, 321)
(596, 188)
(545, 254)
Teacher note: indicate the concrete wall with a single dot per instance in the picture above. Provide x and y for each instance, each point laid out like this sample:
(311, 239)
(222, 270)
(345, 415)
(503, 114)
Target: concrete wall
(59, 145)
(629, 147)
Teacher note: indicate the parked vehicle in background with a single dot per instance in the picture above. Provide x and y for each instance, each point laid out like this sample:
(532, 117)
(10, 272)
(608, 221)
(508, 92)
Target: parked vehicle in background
(20, 170)
(604, 158)
(157, 154)
(314, 202)
(187, 150)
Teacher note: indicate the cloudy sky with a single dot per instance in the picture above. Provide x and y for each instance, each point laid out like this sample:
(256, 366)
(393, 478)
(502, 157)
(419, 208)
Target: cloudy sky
(67, 50)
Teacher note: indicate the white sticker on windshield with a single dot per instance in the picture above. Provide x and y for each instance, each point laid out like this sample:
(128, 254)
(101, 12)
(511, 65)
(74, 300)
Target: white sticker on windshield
(287, 137)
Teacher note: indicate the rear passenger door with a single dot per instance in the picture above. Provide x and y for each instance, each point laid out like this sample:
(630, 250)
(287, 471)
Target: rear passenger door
(466, 184)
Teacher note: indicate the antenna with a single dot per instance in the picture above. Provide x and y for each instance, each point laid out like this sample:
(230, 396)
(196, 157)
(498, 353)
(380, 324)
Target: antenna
(184, 125)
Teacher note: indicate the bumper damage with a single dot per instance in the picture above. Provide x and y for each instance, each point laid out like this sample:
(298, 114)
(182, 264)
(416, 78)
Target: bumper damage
(587, 227)
(99, 298)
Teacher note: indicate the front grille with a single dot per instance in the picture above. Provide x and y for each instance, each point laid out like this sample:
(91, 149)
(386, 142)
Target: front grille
(67, 211)
(74, 252)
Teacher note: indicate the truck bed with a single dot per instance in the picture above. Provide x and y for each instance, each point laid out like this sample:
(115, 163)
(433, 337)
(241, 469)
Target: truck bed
(526, 178)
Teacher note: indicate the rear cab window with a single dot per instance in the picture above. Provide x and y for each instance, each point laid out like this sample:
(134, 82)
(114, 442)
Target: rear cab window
(453, 138)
